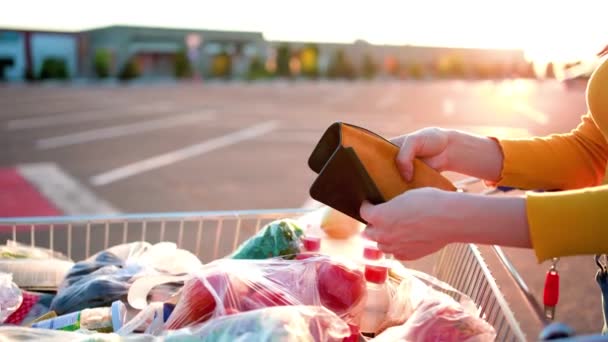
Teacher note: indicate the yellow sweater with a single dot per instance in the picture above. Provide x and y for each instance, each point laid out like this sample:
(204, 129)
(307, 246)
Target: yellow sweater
(569, 222)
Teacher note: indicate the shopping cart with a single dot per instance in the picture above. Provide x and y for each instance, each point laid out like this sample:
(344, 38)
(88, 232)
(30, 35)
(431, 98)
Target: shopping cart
(214, 234)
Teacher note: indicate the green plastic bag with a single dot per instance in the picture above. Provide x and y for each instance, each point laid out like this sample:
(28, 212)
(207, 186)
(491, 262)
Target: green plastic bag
(278, 238)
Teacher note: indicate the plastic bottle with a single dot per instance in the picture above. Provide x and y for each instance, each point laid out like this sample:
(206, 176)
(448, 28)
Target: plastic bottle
(311, 245)
(104, 319)
(377, 298)
(372, 253)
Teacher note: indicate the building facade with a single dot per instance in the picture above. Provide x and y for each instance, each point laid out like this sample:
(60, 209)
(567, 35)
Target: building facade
(209, 53)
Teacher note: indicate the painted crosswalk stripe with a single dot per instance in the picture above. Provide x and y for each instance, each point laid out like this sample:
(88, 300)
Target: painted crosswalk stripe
(122, 130)
(188, 152)
(64, 191)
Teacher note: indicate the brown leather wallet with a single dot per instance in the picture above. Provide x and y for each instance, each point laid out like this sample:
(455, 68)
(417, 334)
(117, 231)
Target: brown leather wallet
(354, 164)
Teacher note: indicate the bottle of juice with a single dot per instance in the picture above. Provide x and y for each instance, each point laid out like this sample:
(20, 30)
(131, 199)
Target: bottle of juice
(378, 299)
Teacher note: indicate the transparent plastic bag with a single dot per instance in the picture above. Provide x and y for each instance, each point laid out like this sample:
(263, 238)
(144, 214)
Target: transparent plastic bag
(16, 250)
(418, 311)
(440, 318)
(230, 286)
(278, 238)
(281, 323)
(14, 333)
(107, 276)
(410, 288)
(10, 296)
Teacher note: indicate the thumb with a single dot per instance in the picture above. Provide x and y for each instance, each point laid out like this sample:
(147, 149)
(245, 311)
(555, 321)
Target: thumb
(368, 211)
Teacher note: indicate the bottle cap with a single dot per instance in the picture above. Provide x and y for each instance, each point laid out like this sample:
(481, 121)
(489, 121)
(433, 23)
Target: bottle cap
(372, 253)
(311, 243)
(376, 274)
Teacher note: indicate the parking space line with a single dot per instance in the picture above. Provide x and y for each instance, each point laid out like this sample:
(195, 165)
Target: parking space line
(83, 116)
(183, 153)
(123, 130)
(64, 191)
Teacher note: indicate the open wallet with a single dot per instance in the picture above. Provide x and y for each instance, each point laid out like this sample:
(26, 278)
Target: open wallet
(354, 164)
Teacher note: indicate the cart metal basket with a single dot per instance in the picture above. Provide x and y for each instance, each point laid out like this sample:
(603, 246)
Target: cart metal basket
(214, 234)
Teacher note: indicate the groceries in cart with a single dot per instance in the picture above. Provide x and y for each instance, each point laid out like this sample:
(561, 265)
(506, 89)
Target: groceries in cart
(107, 276)
(286, 282)
(277, 323)
(34, 268)
(279, 238)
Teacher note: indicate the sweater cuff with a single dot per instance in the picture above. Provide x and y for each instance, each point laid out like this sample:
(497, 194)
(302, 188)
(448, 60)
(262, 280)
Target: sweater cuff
(567, 223)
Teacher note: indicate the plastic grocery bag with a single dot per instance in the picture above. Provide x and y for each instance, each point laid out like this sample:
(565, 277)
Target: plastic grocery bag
(10, 296)
(278, 238)
(34, 268)
(230, 286)
(418, 311)
(15, 333)
(281, 323)
(107, 276)
(440, 318)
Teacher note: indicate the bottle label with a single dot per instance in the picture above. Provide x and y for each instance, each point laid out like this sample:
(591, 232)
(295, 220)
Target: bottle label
(69, 322)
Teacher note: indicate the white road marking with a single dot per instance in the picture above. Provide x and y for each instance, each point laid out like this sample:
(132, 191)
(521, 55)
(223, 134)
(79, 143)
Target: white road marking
(122, 130)
(65, 192)
(531, 113)
(84, 116)
(183, 153)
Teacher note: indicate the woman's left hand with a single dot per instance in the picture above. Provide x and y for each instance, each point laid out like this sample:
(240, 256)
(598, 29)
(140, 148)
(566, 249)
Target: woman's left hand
(422, 221)
(413, 224)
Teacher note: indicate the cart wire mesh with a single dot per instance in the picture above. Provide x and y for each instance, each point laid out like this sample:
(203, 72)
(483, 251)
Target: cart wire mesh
(214, 234)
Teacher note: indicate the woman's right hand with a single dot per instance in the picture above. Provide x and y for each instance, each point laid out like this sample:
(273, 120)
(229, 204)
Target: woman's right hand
(450, 150)
(429, 145)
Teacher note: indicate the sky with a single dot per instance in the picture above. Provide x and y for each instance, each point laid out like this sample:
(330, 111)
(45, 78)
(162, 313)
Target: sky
(560, 30)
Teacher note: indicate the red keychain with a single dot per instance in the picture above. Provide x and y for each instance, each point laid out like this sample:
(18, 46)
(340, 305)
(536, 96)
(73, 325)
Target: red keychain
(551, 291)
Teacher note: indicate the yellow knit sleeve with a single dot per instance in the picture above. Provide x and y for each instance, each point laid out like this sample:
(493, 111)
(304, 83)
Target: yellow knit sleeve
(556, 162)
(567, 223)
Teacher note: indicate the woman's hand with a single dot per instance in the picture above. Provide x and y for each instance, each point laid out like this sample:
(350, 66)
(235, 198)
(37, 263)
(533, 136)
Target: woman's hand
(428, 144)
(421, 221)
(449, 150)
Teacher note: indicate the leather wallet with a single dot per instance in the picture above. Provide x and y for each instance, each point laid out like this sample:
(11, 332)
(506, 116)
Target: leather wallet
(354, 164)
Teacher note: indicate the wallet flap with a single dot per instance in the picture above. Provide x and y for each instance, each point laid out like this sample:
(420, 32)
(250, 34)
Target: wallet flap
(343, 184)
(325, 148)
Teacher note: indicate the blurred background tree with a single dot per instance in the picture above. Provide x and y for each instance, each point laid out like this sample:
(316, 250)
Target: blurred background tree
(54, 68)
(221, 66)
(451, 66)
(181, 65)
(257, 69)
(102, 63)
(340, 66)
(309, 60)
(415, 70)
(130, 70)
(283, 59)
(369, 69)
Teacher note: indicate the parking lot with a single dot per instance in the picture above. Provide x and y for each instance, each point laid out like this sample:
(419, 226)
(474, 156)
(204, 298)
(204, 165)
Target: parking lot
(223, 146)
